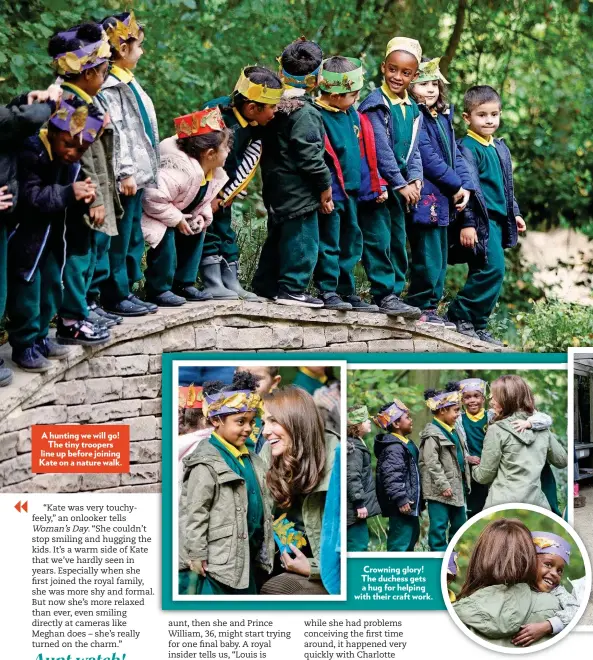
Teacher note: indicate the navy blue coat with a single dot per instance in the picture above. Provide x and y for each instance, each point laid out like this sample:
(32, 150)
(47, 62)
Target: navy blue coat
(441, 181)
(476, 213)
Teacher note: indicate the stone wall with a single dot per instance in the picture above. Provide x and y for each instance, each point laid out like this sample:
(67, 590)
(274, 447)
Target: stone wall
(120, 382)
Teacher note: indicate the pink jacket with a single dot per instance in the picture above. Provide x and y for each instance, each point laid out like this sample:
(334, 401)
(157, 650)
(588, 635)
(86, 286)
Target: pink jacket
(179, 181)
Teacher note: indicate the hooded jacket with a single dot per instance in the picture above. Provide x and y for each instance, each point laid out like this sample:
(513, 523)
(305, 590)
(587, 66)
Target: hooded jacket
(398, 476)
(497, 613)
(360, 485)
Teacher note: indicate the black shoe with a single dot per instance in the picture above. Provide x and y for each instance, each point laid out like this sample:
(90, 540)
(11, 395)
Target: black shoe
(394, 306)
(151, 307)
(126, 308)
(51, 349)
(430, 316)
(359, 305)
(298, 299)
(99, 311)
(484, 335)
(332, 300)
(30, 359)
(168, 299)
(466, 328)
(448, 324)
(81, 333)
(192, 294)
(5, 375)
(102, 321)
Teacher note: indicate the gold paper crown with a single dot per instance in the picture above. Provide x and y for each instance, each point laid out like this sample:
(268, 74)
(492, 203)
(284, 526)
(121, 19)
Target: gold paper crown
(123, 30)
(257, 92)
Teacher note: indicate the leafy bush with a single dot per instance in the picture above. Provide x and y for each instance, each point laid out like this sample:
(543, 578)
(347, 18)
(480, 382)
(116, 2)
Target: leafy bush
(553, 326)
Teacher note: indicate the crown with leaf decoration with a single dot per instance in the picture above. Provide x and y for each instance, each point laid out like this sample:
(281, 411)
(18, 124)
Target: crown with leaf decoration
(199, 123)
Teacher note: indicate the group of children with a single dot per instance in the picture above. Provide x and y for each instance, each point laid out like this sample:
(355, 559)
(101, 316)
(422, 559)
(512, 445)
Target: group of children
(468, 458)
(93, 183)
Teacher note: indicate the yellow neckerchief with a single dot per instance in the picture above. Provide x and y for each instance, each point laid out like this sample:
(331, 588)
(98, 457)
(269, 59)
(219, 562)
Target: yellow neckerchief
(235, 451)
(308, 372)
(402, 101)
(476, 418)
(43, 137)
(402, 438)
(243, 123)
(80, 92)
(448, 428)
(206, 179)
(125, 75)
(483, 141)
(326, 106)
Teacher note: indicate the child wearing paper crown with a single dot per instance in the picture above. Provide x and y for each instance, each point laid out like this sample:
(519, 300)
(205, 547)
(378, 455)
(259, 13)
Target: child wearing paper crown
(251, 105)
(360, 485)
(178, 211)
(136, 156)
(443, 458)
(399, 488)
(492, 220)
(296, 183)
(553, 555)
(50, 191)
(225, 513)
(446, 189)
(396, 122)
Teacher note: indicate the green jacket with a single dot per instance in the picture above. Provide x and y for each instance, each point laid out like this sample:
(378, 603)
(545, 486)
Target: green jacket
(439, 467)
(213, 521)
(512, 463)
(294, 173)
(497, 613)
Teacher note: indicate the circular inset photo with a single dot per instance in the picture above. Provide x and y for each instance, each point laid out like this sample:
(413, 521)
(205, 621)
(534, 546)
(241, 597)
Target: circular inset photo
(516, 578)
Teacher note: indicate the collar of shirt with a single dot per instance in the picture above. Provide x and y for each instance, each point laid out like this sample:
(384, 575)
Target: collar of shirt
(43, 137)
(308, 372)
(125, 75)
(394, 98)
(476, 418)
(402, 438)
(447, 428)
(326, 106)
(478, 138)
(235, 451)
(80, 92)
(206, 179)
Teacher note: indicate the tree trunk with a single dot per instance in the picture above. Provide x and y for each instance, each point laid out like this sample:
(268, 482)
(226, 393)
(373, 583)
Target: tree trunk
(455, 37)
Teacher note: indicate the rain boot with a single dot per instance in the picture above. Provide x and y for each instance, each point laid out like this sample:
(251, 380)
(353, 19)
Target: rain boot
(210, 272)
(230, 279)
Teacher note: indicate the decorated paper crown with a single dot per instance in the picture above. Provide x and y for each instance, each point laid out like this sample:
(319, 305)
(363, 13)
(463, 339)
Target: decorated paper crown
(87, 57)
(403, 43)
(77, 121)
(342, 83)
(391, 415)
(230, 403)
(430, 71)
(123, 30)
(257, 92)
(358, 415)
(452, 567)
(547, 543)
(286, 534)
(473, 385)
(199, 123)
(443, 400)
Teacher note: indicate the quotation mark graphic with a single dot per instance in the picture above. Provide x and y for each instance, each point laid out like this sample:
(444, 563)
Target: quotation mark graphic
(22, 507)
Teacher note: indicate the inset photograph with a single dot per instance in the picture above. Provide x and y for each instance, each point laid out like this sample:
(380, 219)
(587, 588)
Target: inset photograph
(429, 448)
(515, 579)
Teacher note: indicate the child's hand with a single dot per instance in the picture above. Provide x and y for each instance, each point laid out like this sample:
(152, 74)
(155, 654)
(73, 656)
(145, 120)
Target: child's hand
(461, 198)
(84, 191)
(382, 197)
(327, 205)
(521, 425)
(199, 567)
(215, 204)
(298, 564)
(5, 199)
(447, 493)
(184, 227)
(405, 509)
(128, 186)
(532, 632)
(97, 214)
(473, 460)
(468, 237)
(521, 225)
(362, 513)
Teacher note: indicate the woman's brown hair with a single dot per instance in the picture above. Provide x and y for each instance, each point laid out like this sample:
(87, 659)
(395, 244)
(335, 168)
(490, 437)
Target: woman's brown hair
(298, 471)
(513, 395)
(504, 554)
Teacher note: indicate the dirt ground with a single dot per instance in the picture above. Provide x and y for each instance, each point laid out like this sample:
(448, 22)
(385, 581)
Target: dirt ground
(583, 523)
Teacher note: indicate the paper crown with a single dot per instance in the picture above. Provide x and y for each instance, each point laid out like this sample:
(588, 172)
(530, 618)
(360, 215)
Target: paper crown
(87, 57)
(77, 121)
(430, 71)
(257, 92)
(358, 415)
(123, 30)
(230, 403)
(199, 123)
(403, 43)
(443, 400)
(473, 385)
(547, 543)
(452, 567)
(308, 81)
(391, 415)
(342, 83)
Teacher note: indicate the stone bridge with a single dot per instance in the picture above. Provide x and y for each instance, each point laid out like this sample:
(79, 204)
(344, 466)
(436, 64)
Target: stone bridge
(120, 381)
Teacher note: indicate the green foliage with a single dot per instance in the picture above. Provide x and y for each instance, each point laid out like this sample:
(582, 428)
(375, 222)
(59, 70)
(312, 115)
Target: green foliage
(553, 326)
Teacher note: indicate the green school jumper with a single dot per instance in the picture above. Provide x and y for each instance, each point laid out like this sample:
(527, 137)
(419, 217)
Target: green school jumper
(308, 382)
(208, 586)
(476, 301)
(445, 519)
(404, 530)
(475, 430)
(176, 258)
(340, 238)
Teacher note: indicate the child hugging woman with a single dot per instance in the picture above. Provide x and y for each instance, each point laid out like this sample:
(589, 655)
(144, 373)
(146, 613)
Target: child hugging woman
(225, 517)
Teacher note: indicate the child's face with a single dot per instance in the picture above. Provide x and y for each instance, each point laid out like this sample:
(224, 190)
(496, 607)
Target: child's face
(365, 427)
(399, 68)
(404, 425)
(278, 438)
(341, 101)
(65, 148)
(473, 402)
(266, 382)
(549, 572)
(450, 414)
(427, 92)
(262, 114)
(94, 78)
(235, 429)
(130, 52)
(484, 119)
(214, 158)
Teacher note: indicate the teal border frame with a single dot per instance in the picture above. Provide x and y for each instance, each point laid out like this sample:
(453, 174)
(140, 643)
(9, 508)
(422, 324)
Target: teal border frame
(432, 566)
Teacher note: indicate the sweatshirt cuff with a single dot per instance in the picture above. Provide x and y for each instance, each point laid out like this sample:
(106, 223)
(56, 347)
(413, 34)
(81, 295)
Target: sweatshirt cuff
(556, 624)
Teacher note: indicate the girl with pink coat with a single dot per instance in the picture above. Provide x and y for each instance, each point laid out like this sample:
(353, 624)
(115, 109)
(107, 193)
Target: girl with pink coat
(177, 212)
